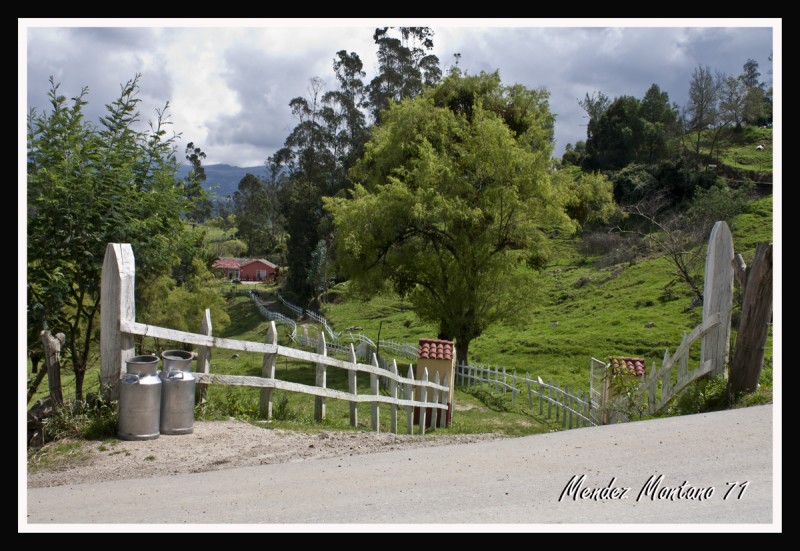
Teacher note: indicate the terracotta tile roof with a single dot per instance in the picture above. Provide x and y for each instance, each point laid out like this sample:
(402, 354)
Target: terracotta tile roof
(435, 349)
(236, 263)
(229, 263)
(636, 365)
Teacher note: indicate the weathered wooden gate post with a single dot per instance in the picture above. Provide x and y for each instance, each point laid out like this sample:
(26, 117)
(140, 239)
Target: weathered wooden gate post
(748, 356)
(718, 297)
(117, 303)
(268, 372)
(203, 360)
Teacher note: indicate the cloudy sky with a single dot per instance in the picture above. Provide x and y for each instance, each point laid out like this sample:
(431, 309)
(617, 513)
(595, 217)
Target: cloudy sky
(229, 82)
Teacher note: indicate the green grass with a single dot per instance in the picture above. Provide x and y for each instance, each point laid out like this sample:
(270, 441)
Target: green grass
(737, 149)
(740, 152)
(584, 311)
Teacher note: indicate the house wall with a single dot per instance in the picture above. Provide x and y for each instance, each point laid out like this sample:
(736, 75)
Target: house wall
(248, 272)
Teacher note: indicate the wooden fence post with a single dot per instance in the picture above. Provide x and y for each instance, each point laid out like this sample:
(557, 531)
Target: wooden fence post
(203, 360)
(393, 394)
(435, 400)
(423, 398)
(268, 372)
(541, 391)
(514, 392)
(528, 386)
(408, 394)
(373, 386)
(321, 379)
(550, 401)
(352, 387)
(118, 303)
(443, 400)
(748, 355)
(718, 297)
(52, 360)
(568, 403)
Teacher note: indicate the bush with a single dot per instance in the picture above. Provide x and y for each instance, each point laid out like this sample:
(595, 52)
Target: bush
(702, 395)
(93, 419)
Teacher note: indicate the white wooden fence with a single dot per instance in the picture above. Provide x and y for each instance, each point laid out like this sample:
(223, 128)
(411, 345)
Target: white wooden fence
(714, 332)
(571, 408)
(119, 326)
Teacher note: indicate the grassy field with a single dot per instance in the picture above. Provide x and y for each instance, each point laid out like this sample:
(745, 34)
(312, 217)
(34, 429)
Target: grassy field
(585, 311)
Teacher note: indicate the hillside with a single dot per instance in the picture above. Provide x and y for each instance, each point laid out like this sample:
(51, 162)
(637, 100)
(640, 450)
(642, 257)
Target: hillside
(222, 180)
(585, 310)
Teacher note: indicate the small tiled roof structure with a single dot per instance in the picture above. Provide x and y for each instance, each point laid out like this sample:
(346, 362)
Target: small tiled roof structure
(435, 349)
(634, 365)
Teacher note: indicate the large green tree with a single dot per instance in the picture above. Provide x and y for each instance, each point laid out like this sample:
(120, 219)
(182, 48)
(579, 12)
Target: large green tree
(88, 186)
(405, 66)
(258, 221)
(453, 204)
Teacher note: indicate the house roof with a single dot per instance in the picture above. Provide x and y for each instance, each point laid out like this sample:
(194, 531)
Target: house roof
(229, 263)
(636, 365)
(435, 349)
(237, 263)
(247, 261)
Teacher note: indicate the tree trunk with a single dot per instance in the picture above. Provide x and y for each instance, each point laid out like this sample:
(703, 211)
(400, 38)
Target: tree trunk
(79, 374)
(462, 348)
(748, 357)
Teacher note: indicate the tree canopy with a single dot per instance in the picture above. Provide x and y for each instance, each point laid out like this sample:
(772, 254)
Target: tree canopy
(89, 186)
(454, 202)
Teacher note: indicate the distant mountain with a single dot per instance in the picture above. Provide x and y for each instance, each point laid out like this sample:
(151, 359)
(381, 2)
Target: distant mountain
(223, 180)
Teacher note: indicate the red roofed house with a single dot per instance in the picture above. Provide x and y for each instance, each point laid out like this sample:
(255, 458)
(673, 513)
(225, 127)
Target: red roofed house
(438, 356)
(246, 269)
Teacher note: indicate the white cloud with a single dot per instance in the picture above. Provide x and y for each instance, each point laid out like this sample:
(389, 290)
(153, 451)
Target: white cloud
(229, 83)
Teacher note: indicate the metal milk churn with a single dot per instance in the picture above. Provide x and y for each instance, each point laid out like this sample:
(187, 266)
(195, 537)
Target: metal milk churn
(140, 399)
(177, 396)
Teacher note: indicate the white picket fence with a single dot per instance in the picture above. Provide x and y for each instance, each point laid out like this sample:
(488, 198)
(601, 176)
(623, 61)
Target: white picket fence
(571, 409)
(118, 327)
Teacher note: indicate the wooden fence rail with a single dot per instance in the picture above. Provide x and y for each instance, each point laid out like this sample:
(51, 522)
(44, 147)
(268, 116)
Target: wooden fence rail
(120, 327)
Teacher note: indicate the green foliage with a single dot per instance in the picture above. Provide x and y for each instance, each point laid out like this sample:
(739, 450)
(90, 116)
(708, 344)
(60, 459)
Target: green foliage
(164, 303)
(256, 205)
(701, 396)
(89, 186)
(587, 197)
(625, 398)
(719, 202)
(631, 131)
(94, 420)
(452, 209)
(404, 67)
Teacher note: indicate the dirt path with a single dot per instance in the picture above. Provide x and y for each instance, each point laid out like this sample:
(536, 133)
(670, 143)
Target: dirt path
(215, 445)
